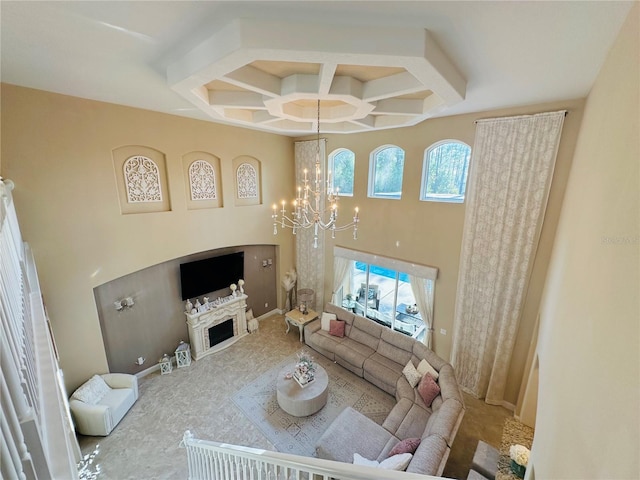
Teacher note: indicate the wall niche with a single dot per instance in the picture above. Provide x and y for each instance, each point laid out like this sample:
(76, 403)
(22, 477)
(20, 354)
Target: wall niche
(156, 323)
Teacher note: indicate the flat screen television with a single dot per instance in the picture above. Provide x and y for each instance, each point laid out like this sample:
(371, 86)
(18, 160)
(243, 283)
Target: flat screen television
(205, 276)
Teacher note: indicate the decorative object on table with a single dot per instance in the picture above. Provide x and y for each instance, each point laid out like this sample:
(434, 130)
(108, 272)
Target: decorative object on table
(233, 288)
(252, 323)
(241, 286)
(197, 305)
(165, 364)
(87, 468)
(205, 302)
(304, 372)
(288, 283)
(188, 306)
(412, 309)
(316, 212)
(519, 455)
(306, 297)
(183, 355)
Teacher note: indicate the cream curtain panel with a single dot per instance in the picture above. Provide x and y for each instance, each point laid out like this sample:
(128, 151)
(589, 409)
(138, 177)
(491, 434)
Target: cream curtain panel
(424, 301)
(512, 166)
(309, 260)
(341, 269)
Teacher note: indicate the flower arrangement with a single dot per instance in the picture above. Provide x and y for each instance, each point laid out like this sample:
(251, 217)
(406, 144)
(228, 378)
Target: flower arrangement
(233, 288)
(304, 372)
(519, 455)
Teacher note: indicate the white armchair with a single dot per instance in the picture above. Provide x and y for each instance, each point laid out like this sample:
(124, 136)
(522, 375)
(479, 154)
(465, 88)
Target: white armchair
(100, 403)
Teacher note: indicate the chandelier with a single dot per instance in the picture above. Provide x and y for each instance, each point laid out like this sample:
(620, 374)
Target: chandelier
(308, 211)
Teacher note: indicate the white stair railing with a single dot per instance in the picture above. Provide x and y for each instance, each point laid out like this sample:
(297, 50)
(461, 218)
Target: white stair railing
(209, 460)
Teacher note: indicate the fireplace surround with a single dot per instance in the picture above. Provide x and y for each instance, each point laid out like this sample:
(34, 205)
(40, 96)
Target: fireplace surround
(199, 324)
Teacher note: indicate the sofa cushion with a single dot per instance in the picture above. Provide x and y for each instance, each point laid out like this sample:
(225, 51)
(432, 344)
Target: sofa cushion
(336, 328)
(445, 421)
(413, 424)
(353, 352)
(92, 391)
(341, 314)
(119, 401)
(404, 390)
(411, 374)
(382, 372)
(408, 445)
(395, 346)
(344, 437)
(430, 456)
(421, 351)
(449, 385)
(366, 332)
(428, 389)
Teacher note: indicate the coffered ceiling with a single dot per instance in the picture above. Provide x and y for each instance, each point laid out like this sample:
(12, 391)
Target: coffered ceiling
(264, 65)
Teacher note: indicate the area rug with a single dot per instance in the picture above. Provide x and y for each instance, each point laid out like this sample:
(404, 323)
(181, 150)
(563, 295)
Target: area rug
(298, 435)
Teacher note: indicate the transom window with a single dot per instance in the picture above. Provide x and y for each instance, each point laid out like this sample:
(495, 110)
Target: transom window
(342, 168)
(444, 172)
(386, 167)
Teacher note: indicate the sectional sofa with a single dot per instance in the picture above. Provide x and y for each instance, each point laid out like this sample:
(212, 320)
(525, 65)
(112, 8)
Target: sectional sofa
(379, 355)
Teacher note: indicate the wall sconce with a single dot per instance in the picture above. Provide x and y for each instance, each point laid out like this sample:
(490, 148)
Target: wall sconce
(125, 302)
(267, 263)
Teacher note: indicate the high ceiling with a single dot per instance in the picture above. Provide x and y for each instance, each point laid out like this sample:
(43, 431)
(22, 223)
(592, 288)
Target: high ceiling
(264, 65)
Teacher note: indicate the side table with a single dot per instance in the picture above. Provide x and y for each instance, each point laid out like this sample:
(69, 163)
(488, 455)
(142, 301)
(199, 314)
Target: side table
(297, 319)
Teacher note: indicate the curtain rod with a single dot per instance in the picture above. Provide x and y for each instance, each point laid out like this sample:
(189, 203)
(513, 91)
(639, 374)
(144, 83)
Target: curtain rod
(566, 112)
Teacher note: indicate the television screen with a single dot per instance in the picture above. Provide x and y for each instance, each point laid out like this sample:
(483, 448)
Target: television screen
(211, 274)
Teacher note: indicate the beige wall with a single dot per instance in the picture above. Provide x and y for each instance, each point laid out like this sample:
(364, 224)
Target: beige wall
(430, 233)
(588, 420)
(58, 150)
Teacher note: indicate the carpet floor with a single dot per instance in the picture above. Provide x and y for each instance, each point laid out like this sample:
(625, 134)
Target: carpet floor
(200, 398)
(299, 435)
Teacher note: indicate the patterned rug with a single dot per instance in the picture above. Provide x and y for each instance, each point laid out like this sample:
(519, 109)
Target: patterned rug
(298, 435)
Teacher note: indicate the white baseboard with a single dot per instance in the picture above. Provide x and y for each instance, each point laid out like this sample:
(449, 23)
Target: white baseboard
(275, 311)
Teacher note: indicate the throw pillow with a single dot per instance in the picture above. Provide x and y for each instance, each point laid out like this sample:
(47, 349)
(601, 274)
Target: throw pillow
(360, 460)
(92, 391)
(411, 374)
(408, 445)
(425, 367)
(428, 389)
(325, 321)
(397, 462)
(336, 328)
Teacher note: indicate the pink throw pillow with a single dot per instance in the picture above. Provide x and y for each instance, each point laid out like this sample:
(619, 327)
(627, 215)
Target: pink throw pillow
(428, 389)
(336, 328)
(408, 445)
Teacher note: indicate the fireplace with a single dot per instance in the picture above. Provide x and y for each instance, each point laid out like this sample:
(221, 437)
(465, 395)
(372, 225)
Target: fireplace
(218, 327)
(221, 332)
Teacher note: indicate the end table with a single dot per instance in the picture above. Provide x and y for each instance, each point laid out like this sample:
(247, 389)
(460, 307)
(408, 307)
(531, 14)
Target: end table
(297, 319)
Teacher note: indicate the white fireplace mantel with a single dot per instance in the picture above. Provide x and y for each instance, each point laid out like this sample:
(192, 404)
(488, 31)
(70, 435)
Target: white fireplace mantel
(200, 323)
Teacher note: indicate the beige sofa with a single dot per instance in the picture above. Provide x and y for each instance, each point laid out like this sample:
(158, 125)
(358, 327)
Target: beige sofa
(379, 355)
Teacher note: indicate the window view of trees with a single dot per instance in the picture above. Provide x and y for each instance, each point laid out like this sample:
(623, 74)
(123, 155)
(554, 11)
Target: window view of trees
(385, 174)
(342, 167)
(446, 165)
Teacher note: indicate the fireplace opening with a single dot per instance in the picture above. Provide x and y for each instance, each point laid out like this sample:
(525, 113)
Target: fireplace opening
(221, 332)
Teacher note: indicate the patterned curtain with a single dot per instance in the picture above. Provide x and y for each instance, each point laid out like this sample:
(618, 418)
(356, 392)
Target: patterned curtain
(309, 260)
(511, 169)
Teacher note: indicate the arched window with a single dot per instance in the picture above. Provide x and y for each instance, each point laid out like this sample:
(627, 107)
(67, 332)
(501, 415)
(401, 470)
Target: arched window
(202, 180)
(342, 168)
(142, 180)
(247, 179)
(444, 172)
(385, 172)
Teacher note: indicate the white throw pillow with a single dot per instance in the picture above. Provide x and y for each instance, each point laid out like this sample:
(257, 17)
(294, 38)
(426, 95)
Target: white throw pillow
(425, 367)
(92, 391)
(397, 462)
(360, 460)
(325, 321)
(411, 374)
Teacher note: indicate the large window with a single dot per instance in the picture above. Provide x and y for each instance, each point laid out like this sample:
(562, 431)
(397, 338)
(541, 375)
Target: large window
(384, 290)
(342, 168)
(385, 172)
(444, 172)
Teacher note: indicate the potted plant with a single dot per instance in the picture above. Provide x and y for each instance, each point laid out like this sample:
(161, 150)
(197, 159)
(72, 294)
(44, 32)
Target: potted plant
(519, 459)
